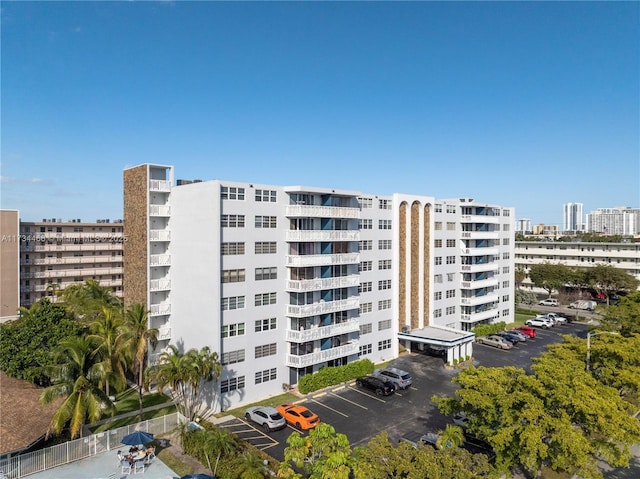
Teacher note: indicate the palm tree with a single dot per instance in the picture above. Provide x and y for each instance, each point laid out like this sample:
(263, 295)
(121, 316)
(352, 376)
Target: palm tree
(452, 436)
(106, 334)
(219, 442)
(86, 300)
(136, 339)
(54, 289)
(251, 467)
(77, 379)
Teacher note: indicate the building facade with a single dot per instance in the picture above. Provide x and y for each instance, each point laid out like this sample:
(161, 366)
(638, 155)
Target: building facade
(282, 281)
(614, 221)
(10, 261)
(572, 217)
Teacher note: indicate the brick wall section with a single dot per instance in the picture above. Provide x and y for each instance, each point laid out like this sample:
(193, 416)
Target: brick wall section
(136, 184)
(415, 265)
(402, 267)
(9, 259)
(426, 242)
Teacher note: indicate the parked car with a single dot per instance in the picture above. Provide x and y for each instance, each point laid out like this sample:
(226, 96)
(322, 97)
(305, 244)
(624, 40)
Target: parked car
(520, 334)
(298, 416)
(549, 302)
(377, 384)
(267, 417)
(512, 338)
(584, 305)
(435, 350)
(461, 419)
(528, 330)
(417, 439)
(495, 341)
(543, 323)
(556, 318)
(401, 379)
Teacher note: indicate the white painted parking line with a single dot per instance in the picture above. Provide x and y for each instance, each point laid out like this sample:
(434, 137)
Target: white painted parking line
(349, 401)
(330, 408)
(257, 438)
(368, 395)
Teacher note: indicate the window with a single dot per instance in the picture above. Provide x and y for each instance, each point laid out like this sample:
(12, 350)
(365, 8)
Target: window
(437, 278)
(505, 298)
(437, 225)
(232, 384)
(437, 260)
(451, 243)
(384, 284)
(366, 328)
(451, 260)
(505, 255)
(366, 308)
(382, 345)
(384, 224)
(365, 349)
(505, 269)
(232, 357)
(233, 330)
(384, 204)
(451, 293)
(505, 312)
(365, 224)
(365, 202)
(384, 264)
(384, 304)
(265, 324)
(266, 222)
(438, 207)
(232, 248)
(366, 245)
(231, 193)
(450, 310)
(365, 266)
(265, 247)
(232, 302)
(451, 276)
(506, 213)
(385, 324)
(437, 243)
(505, 284)
(266, 350)
(437, 313)
(265, 298)
(384, 244)
(266, 273)
(232, 276)
(266, 196)
(266, 375)
(505, 227)
(451, 208)
(451, 226)
(365, 287)
(437, 295)
(232, 221)
(505, 241)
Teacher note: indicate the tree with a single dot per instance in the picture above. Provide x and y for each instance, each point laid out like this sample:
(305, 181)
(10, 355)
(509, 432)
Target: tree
(520, 276)
(86, 300)
(452, 436)
(75, 378)
(185, 374)
(549, 276)
(607, 279)
(624, 317)
(217, 441)
(136, 339)
(251, 467)
(106, 334)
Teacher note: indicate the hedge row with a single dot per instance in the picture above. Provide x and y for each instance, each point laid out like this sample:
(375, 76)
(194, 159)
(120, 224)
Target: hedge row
(330, 376)
(487, 329)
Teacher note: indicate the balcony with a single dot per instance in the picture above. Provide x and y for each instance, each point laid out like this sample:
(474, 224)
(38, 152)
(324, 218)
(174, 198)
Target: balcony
(66, 273)
(159, 210)
(159, 235)
(322, 235)
(482, 283)
(480, 316)
(480, 235)
(318, 284)
(160, 185)
(305, 335)
(479, 268)
(322, 356)
(323, 307)
(317, 211)
(322, 259)
(480, 219)
(164, 332)
(107, 246)
(159, 285)
(160, 260)
(480, 251)
(484, 299)
(160, 309)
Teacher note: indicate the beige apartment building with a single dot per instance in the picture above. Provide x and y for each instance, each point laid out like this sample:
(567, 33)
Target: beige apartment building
(9, 261)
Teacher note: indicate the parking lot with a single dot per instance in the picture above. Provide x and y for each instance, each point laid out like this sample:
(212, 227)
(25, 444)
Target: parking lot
(360, 414)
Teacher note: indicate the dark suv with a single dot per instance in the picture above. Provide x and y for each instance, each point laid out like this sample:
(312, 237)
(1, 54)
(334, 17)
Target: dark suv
(380, 386)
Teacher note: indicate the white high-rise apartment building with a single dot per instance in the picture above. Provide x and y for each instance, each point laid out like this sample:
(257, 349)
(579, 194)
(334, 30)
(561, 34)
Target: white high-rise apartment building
(523, 225)
(282, 281)
(614, 221)
(572, 218)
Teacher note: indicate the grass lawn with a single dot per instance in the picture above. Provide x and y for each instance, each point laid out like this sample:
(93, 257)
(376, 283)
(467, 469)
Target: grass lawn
(285, 398)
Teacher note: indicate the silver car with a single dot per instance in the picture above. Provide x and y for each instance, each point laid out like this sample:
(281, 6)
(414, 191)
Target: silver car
(267, 417)
(495, 341)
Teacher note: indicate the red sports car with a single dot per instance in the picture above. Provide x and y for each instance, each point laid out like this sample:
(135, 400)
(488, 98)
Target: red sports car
(528, 331)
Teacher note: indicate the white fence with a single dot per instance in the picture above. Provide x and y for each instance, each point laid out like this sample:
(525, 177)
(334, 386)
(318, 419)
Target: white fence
(37, 461)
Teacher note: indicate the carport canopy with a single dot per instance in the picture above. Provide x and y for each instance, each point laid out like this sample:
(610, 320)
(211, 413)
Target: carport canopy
(437, 336)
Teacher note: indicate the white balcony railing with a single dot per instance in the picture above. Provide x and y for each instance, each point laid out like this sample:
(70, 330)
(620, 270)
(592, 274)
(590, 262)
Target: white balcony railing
(160, 309)
(322, 259)
(323, 235)
(159, 210)
(317, 211)
(159, 235)
(159, 185)
(320, 332)
(481, 235)
(323, 283)
(476, 300)
(479, 268)
(160, 284)
(480, 251)
(480, 219)
(160, 260)
(322, 356)
(483, 283)
(323, 307)
(164, 332)
(480, 316)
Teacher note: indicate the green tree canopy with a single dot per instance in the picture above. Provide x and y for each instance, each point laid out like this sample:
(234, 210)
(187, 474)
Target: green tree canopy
(624, 317)
(550, 276)
(608, 279)
(87, 300)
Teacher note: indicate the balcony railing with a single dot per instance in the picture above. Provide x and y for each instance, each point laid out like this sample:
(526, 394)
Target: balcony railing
(159, 235)
(481, 235)
(160, 260)
(480, 316)
(160, 284)
(480, 251)
(73, 260)
(317, 211)
(320, 332)
(479, 268)
(106, 246)
(323, 283)
(159, 210)
(481, 283)
(476, 300)
(65, 273)
(160, 309)
(479, 219)
(322, 356)
(323, 235)
(164, 332)
(159, 185)
(322, 259)
(323, 307)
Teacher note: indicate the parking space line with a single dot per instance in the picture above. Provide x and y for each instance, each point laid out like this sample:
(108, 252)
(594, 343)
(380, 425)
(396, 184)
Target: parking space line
(248, 428)
(368, 395)
(350, 401)
(329, 407)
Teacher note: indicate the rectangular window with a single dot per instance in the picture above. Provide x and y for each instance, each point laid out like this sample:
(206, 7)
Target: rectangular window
(232, 248)
(265, 324)
(384, 204)
(437, 225)
(384, 244)
(437, 295)
(265, 299)
(266, 222)
(365, 266)
(505, 241)
(266, 196)
(505, 269)
(232, 221)
(505, 298)
(451, 243)
(266, 375)
(266, 273)
(451, 208)
(366, 328)
(365, 287)
(365, 349)
(266, 350)
(450, 310)
(232, 193)
(233, 330)
(365, 224)
(505, 284)
(384, 304)
(366, 245)
(451, 260)
(505, 227)
(232, 276)
(384, 284)
(384, 224)
(365, 203)
(451, 226)
(366, 308)
(451, 276)
(232, 357)
(438, 207)
(451, 293)
(505, 313)
(384, 264)
(437, 313)
(265, 247)
(382, 345)
(232, 302)
(385, 324)
(437, 278)
(437, 260)
(505, 255)
(437, 243)
(232, 384)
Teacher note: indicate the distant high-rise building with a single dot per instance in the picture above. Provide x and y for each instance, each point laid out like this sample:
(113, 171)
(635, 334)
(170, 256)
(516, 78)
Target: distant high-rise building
(523, 225)
(572, 219)
(614, 221)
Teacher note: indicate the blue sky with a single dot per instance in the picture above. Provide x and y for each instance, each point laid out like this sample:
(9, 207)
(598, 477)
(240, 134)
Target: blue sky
(523, 104)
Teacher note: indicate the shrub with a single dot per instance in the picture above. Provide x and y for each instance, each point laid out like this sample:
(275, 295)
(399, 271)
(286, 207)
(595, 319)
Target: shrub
(487, 329)
(330, 376)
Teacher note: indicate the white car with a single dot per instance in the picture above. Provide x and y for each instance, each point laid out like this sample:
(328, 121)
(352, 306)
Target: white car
(557, 318)
(549, 302)
(543, 323)
(267, 417)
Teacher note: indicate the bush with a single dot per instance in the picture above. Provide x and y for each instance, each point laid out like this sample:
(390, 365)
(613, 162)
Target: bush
(331, 376)
(487, 329)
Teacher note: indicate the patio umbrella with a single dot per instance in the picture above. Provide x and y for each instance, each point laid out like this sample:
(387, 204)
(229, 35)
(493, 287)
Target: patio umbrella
(198, 476)
(137, 437)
